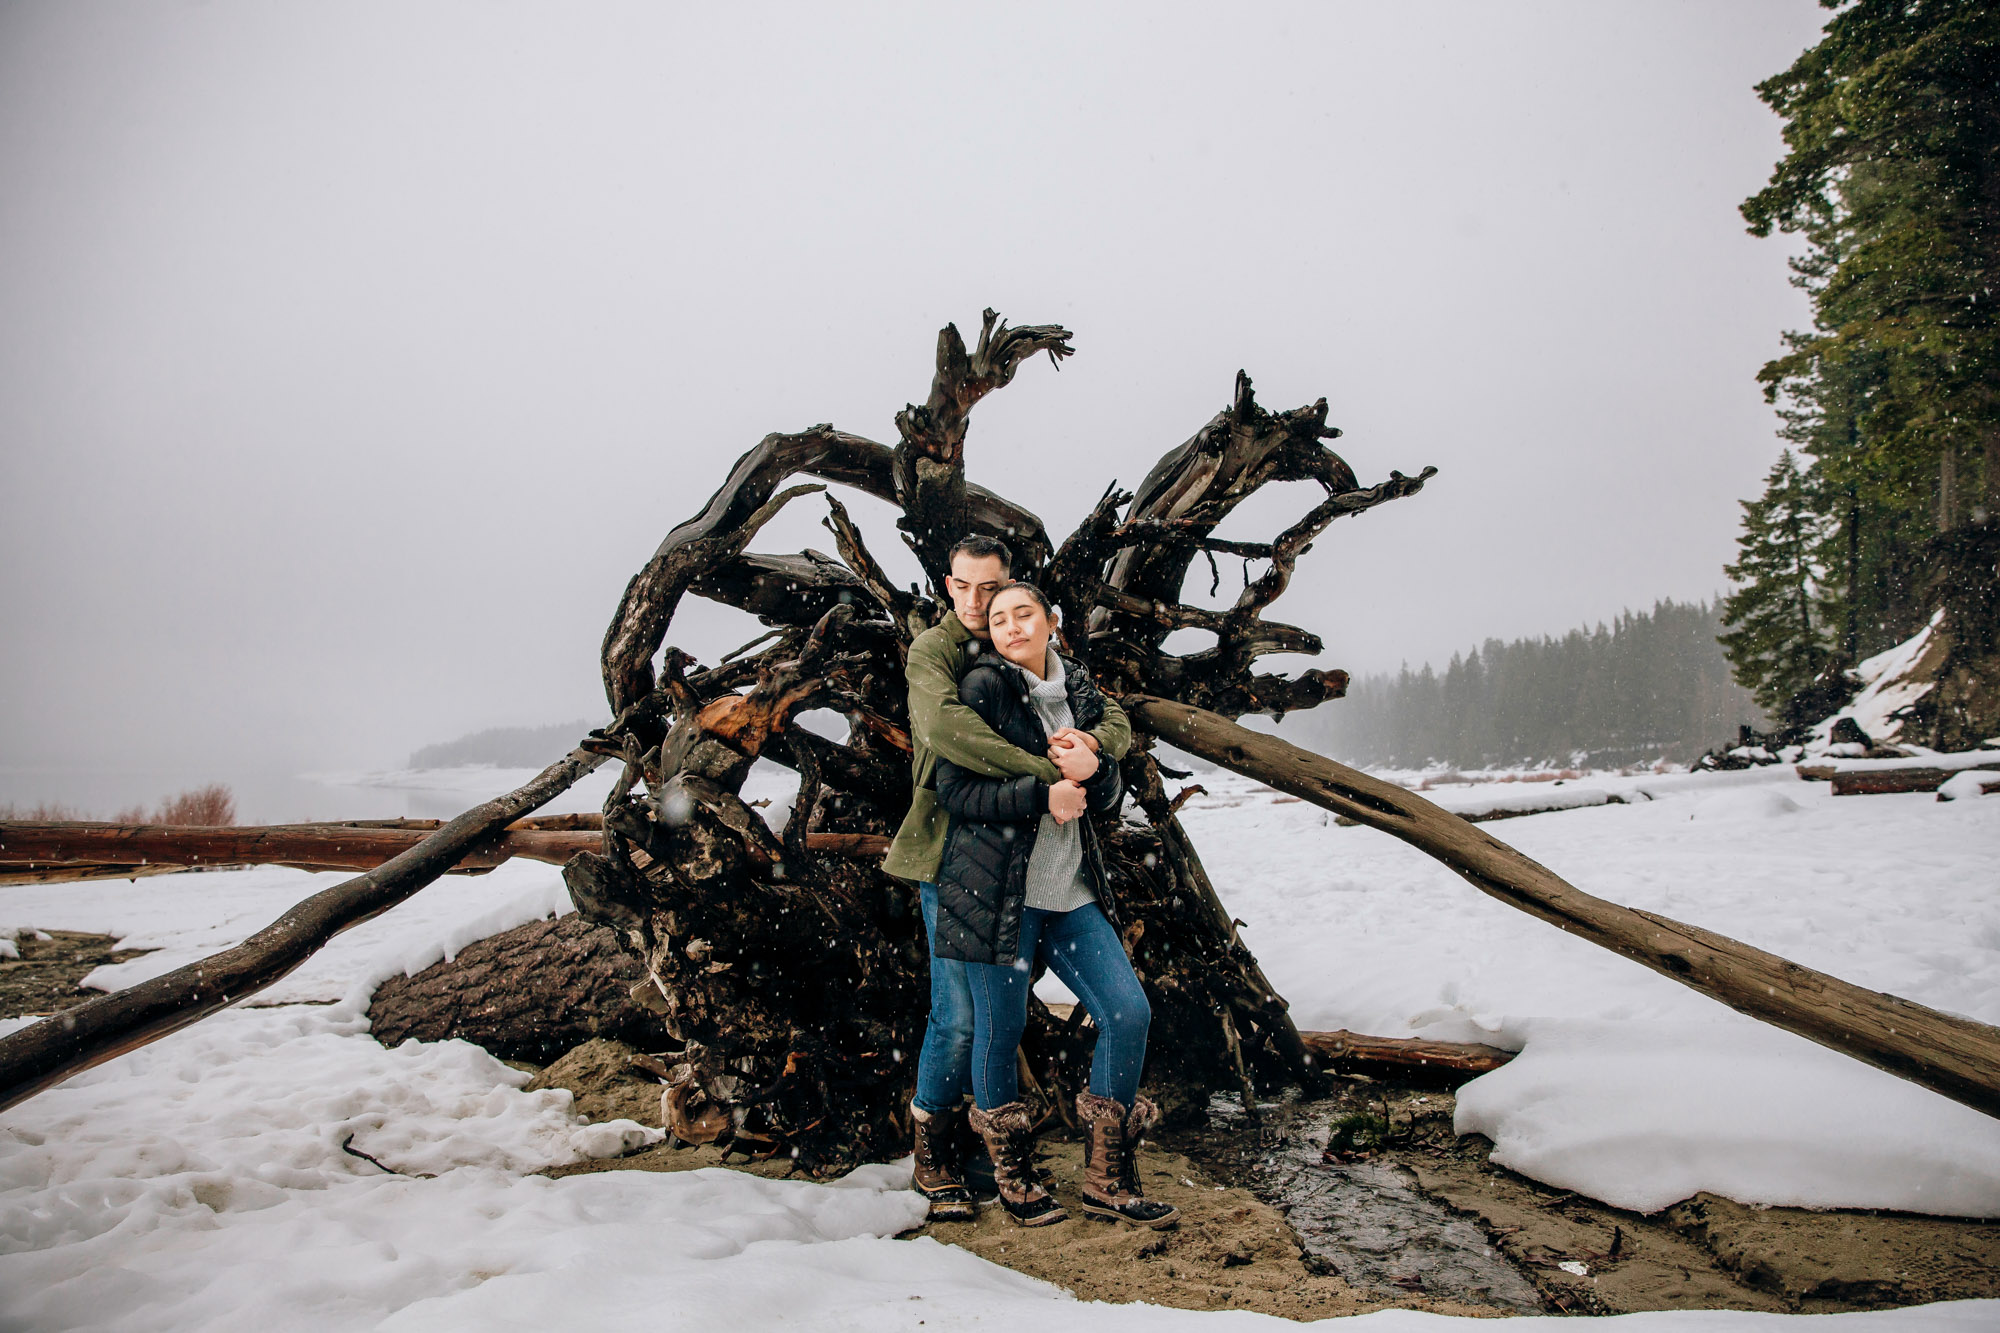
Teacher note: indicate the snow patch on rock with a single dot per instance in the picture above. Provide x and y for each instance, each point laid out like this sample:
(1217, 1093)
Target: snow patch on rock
(1890, 681)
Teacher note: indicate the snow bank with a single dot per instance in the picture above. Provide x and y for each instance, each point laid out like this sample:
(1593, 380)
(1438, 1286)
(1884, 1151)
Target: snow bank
(1896, 893)
(1958, 759)
(1495, 798)
(1968, 784)
(433, 925)
(1749, 804)
(1733, 1107)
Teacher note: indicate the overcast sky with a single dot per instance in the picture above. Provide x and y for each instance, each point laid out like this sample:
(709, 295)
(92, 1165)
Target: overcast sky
(355, 355)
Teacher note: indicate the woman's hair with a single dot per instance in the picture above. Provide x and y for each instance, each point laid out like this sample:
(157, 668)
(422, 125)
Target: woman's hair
(1022, 585)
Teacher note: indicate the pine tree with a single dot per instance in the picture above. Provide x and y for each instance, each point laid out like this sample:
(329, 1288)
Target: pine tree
(1892, 122)
(1773, 642)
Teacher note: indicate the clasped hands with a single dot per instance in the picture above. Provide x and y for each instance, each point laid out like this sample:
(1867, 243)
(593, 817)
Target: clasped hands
(1074, 753)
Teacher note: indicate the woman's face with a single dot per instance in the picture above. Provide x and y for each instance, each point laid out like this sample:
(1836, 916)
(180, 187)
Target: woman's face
(1020, 628)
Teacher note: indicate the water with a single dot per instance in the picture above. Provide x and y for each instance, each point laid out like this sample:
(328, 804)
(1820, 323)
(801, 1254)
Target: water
(293, 798)
(1365, 1220)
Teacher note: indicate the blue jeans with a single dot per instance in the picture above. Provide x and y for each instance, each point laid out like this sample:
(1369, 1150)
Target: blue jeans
(1083, 949)
(944, 1065)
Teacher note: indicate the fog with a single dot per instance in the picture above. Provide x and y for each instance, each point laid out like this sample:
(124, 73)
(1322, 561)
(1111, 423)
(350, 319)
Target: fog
(356, 355)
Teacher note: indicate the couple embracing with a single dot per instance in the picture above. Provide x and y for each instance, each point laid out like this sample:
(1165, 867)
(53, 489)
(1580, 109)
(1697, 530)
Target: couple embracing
(1012, 744)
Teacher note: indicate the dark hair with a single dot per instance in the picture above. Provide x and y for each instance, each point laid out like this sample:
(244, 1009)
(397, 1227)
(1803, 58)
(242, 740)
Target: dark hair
(979, 547)
(1022, 585)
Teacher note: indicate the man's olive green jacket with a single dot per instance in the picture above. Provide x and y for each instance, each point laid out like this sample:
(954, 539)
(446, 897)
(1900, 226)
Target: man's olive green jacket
(941, 725)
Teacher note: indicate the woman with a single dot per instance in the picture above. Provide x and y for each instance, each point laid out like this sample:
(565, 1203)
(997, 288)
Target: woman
(1022, 877)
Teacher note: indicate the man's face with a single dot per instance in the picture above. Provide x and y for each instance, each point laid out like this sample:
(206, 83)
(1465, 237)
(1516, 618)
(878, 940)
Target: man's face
(972, 582)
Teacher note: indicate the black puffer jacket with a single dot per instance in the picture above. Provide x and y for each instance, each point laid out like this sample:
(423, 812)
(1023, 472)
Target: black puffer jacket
(982, 880)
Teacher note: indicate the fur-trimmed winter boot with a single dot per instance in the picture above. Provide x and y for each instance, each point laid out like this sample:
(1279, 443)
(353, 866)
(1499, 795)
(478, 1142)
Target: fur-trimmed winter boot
(1110, 1156)
(940, 1170)
(1010, 1138)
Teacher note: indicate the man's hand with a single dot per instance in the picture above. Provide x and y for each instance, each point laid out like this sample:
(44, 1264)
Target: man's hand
(1075, 759)
(1081, 737)
(1066, 801)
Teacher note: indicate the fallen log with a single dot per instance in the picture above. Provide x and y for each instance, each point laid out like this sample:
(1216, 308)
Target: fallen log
(97, 1030)
(310, 846)
(47, 852)
(1346, 1052)
(76, 874)
(1488, 816)
(1887, 781)
(1954, 1056)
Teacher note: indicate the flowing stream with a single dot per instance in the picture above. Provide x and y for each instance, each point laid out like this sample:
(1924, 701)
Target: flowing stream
(1365, 1220)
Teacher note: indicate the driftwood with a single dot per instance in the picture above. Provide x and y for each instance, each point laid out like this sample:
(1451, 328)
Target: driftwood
(45, 852)
(52, 1050)
(1948, 1054)
(1450, 1062)
(1887, 781)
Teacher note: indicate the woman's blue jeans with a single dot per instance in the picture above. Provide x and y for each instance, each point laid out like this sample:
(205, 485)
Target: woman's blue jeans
(1083, 949)
(979, 1010)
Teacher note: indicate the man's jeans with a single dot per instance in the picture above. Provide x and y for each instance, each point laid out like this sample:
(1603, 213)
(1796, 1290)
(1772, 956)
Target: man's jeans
(944, 1066)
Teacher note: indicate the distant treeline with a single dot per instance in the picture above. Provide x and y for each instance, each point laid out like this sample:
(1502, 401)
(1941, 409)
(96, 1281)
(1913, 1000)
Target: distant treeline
(1647, 686)
(505, 747)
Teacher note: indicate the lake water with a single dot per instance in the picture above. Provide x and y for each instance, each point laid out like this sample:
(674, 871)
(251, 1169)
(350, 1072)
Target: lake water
(293, 798)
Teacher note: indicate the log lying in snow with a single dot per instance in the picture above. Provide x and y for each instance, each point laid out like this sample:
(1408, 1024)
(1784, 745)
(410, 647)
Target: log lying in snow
(97, 1030)
(1885, 781)
(48, 852)
(1592, 799)
(1948, 1054)
(1450, 1061)
(308, 846)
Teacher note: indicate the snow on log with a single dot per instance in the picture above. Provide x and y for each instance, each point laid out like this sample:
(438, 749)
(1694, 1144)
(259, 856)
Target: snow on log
(1951, 1055)
(1880, 782)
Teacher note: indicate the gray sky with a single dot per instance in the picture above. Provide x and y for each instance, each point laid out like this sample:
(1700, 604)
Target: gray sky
(357, 354)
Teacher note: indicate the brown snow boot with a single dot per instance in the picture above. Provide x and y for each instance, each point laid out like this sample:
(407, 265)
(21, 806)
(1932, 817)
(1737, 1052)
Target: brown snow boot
(1010, 1138)
(940, 1169)
(1110, 1162)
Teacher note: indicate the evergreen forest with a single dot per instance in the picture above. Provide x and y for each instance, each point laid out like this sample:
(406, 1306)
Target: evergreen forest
(1890, 402)
(1650, 685)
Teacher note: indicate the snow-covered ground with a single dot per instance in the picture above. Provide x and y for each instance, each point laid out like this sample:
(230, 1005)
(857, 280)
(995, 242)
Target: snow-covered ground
(1630, 1087)
(201, 1182)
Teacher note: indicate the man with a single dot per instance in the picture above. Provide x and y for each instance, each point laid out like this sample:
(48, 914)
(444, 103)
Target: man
(941, 726)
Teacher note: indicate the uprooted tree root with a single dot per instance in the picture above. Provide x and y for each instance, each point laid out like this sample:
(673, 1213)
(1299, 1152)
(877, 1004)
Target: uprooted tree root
(795, 981)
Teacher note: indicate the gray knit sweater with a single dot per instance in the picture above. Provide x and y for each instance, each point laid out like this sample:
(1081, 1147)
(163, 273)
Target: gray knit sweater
(1056, 880)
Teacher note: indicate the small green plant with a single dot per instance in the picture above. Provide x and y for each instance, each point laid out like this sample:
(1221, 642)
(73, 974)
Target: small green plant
(1362, 1132)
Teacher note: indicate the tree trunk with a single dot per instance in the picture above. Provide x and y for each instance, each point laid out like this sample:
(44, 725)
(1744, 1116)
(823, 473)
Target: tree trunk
(531, 993)
(1950, 1055)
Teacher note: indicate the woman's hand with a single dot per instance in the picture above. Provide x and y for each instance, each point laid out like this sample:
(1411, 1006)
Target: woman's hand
(1076, 760)
(1066, 801)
